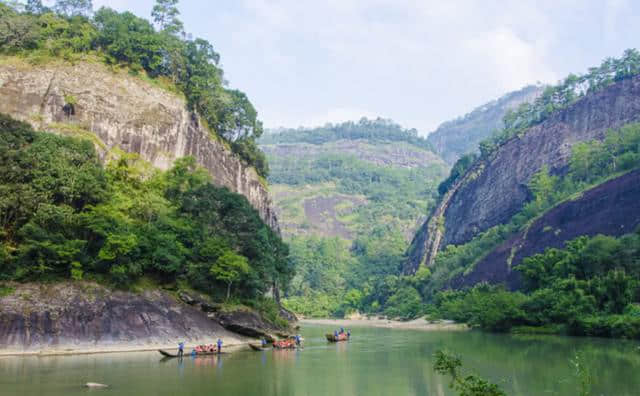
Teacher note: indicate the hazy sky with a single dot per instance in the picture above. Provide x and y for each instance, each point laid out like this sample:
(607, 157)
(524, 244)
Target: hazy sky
(305, 62)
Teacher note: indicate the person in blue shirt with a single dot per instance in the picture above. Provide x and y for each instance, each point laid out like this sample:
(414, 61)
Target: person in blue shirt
(298, 339)
(348, 334)
(263, 342)
(180, 349)
(335, 333)
(219, 345)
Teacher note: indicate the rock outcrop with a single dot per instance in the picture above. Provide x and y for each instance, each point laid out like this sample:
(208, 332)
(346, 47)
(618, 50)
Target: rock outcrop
(250, 324)
(117, 110)
(84, 315)
(612, 208)
(495, 189)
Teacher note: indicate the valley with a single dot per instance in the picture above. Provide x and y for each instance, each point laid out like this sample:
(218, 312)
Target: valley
(152, 199)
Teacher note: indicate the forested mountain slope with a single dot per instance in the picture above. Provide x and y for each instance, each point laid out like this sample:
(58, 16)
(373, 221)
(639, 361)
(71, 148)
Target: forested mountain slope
(461, 136)
(349, 197)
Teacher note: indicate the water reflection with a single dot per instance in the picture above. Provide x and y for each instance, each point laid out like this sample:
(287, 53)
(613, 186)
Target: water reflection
(374, 362)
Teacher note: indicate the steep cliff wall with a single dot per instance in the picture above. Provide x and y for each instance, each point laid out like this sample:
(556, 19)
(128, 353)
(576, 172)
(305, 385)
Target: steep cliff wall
(80, 315)
(493, 190)
(612, 208)
(126, 112)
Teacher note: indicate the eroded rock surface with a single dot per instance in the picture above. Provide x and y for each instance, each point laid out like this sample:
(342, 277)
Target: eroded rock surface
(249, 323)
(612, 208)
(117, 110)
(86, 314)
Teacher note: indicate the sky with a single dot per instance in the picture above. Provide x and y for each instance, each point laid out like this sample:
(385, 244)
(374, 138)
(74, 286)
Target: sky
(420, 63)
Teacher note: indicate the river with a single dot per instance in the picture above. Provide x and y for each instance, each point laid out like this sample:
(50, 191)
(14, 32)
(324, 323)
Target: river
(375, 362)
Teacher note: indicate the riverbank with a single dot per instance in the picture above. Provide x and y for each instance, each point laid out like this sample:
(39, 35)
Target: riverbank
(68, 318)
(416, 324)
(229, 343)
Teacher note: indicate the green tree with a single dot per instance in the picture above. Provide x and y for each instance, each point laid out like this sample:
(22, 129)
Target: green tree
(74, 7)
(35, 7)
(165, 14)
(469, 385)
(229, 268)
(543, 185)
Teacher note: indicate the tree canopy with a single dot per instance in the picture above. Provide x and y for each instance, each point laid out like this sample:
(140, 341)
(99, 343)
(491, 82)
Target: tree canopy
(64, 215)
(121, 38)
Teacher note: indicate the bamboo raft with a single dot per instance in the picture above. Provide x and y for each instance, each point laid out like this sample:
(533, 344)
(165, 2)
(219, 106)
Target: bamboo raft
(258, 347)
(175, 355)
(340, 337)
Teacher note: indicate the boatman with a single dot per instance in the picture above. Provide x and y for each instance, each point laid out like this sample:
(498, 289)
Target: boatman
(298, 339)
(263, 342)
(335, 333)
(180, 348)
(219, 345)
(348, 334)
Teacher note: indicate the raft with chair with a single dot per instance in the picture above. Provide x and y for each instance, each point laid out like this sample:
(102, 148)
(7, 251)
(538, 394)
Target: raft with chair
(289, 343)
(175, 355)
(340, 337)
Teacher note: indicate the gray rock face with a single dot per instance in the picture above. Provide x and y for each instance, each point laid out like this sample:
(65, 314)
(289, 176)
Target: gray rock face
(612, 208)
(117, 110)
(248, 323)
(86, 314)
(494, 190)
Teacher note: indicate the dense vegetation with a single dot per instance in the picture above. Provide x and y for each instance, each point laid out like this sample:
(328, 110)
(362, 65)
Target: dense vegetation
(339, 274)
(461, 136)
(65, 216)
(403, 189)
(374, 130)
(592, 287)
(70, 30)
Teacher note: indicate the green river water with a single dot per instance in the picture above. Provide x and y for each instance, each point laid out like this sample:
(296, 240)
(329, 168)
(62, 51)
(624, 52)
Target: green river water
(374, 362)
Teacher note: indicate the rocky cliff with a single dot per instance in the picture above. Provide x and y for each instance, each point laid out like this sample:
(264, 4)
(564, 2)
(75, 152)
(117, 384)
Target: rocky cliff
(83, 315)
(494, 189)
(612, 208)
(117, 110)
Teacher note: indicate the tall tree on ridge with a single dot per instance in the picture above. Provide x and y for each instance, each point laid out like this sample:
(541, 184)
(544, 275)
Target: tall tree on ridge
(165, 14)
(74, 7)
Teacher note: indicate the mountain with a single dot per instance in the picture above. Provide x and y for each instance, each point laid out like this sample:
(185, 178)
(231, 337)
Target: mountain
(349, 197)
(495, 187)
(325, 179)
(455, 138)
(540, 231)
(133, 192)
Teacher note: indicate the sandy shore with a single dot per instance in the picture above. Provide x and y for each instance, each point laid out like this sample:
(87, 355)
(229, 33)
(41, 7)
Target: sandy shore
(231, 344)
(417, 324)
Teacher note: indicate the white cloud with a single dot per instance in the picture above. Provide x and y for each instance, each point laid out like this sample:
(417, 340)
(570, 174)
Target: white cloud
(510, 62)
(419, 62)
